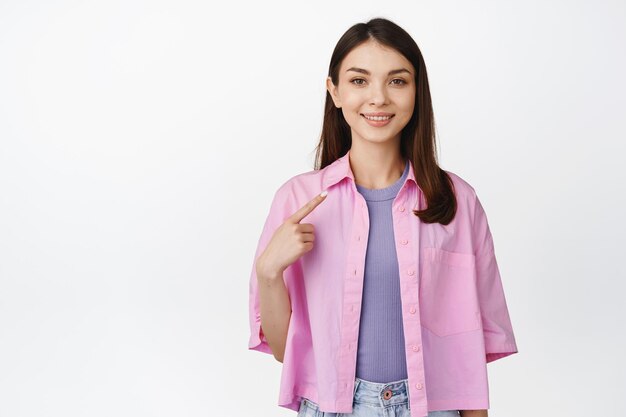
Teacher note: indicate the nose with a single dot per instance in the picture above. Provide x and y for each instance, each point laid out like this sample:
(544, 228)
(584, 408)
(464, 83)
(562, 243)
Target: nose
(378, 95)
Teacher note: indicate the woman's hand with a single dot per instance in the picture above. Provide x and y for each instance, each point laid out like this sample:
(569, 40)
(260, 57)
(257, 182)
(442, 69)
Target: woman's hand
(289, 242)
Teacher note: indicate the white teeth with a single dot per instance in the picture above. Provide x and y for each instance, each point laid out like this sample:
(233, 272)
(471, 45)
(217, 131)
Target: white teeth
(377, 117)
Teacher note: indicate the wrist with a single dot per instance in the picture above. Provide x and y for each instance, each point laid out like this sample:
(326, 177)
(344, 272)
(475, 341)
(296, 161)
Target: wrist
(268, 274)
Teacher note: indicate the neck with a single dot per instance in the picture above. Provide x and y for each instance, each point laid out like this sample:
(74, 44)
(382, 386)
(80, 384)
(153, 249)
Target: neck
(376, 167)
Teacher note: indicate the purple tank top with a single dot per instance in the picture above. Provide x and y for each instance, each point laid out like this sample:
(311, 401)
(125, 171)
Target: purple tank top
(381, 355)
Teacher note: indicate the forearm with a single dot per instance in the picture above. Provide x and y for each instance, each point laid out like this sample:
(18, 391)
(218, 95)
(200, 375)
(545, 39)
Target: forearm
(473, 413)
(275, 310)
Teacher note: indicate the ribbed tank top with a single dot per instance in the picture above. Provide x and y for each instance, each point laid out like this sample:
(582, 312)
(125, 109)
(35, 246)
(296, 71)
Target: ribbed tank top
(381, 355)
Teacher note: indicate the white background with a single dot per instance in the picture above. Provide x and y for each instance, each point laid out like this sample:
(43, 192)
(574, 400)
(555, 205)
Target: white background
(141, 144)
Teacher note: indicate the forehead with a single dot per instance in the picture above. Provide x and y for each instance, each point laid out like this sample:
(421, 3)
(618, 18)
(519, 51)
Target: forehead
(376, 58)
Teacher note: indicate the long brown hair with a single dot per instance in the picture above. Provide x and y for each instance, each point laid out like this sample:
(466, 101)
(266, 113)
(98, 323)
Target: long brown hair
(418, 136)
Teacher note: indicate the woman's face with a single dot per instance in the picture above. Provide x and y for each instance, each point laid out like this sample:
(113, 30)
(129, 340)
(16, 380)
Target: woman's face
(375, 79)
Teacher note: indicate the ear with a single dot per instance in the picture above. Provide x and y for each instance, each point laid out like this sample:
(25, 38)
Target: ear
(332, 89)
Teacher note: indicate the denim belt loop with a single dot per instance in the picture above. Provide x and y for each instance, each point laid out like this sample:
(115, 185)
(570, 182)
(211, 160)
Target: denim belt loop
(408, 395)
(356, 385)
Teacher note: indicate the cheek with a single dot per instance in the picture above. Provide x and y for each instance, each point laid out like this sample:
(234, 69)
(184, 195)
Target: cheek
(405, 100)
(407, 107)
(410, 107)
(351, 110)
(352, 102)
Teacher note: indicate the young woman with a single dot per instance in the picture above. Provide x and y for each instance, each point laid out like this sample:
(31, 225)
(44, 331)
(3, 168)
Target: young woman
(375, 281)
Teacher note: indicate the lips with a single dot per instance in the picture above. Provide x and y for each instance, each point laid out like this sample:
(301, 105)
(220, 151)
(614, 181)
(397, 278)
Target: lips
(380, 114)
(378, 121)
(381, 117)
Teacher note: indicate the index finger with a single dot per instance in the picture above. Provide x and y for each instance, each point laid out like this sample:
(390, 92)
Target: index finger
(307, 208)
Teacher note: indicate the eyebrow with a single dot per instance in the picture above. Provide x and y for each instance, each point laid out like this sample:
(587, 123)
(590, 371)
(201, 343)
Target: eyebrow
(392, 72)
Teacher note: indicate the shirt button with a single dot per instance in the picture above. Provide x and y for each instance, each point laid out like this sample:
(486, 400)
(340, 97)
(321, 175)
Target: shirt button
(416, 348)
(358, 238)
(419, 386)
(412, 310)
(411, 272)
(401, 208)
(404, 241)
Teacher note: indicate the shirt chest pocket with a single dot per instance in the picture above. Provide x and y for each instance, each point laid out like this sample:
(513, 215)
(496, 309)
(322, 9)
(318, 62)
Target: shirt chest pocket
(448, 301)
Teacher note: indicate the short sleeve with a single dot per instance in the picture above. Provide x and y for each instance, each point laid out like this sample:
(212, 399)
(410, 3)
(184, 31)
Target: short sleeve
(498, 331)
(279, 211)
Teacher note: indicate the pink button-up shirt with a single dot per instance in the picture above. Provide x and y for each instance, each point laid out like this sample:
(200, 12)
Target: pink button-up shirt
(454, 311)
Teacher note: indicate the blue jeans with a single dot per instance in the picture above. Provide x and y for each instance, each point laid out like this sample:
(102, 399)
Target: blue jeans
(374, 399)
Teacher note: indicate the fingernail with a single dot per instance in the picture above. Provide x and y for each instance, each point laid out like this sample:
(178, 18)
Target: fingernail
(323, 193)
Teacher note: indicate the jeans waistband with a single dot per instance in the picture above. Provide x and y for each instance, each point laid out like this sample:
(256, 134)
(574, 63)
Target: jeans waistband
(380, 394)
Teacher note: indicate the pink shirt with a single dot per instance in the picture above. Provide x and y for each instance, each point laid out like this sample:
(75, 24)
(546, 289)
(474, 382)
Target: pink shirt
(455, 317)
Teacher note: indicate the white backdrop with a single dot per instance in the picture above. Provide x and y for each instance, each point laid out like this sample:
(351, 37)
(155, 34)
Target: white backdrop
(141, 144)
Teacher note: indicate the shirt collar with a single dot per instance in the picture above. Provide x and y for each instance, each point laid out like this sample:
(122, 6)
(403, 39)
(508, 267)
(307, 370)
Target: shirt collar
(341, 169)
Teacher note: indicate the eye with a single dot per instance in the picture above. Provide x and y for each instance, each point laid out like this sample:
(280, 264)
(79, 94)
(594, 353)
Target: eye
(400, 81)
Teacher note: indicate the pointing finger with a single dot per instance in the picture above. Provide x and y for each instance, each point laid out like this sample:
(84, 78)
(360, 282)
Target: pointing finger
(308, 207)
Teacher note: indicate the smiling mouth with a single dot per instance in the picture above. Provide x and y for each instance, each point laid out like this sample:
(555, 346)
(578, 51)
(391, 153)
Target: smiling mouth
(377, 118)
